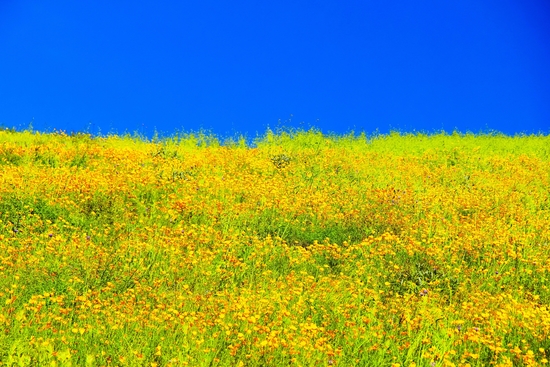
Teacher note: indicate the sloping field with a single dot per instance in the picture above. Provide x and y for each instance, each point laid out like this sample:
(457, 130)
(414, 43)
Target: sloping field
(306, 250)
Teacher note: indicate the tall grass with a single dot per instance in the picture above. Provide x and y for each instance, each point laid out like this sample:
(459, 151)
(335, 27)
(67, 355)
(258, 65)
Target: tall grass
(299, 248)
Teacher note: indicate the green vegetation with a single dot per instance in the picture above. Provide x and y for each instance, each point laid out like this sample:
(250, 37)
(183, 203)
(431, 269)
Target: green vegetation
(298, 249)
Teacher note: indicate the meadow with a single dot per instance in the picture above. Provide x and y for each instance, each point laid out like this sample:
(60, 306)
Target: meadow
(302, 250)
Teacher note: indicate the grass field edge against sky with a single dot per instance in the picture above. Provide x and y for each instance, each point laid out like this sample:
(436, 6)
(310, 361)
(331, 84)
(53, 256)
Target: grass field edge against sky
(289, 131)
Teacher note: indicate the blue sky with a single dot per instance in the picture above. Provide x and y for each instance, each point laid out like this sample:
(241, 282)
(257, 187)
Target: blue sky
(243, 66)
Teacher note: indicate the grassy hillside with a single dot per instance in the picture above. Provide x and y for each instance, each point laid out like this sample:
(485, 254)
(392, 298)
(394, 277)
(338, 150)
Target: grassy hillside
(303, 250)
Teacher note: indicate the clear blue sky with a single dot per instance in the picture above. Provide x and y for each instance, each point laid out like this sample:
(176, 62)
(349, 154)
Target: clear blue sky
(242, 66)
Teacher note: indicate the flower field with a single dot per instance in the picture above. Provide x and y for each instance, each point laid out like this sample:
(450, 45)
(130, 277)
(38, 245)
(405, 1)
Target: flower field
(304, 250)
